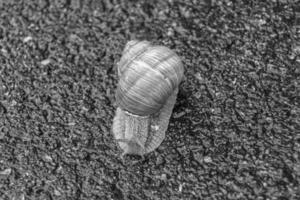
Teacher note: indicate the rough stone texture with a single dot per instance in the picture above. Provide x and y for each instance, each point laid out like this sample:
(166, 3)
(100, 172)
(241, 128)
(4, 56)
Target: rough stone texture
(234, 133)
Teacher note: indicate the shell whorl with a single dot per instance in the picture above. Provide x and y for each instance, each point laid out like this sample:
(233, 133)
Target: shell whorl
(148, 75)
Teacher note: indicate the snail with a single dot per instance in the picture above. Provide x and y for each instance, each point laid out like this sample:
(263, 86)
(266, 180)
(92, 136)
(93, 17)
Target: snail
(149, 77)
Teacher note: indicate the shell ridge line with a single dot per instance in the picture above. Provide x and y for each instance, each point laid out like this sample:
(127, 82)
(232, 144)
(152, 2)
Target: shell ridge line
(158, 73)
(131, 90)
(141, 62)
(149, 48)
(162, 72)
(138, 55)
(160, 60)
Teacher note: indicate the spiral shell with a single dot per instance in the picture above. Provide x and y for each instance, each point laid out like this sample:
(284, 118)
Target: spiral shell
(149, 77)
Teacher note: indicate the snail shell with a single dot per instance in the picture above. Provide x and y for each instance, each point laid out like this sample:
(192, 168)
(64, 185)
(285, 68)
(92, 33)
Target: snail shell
(149, 77)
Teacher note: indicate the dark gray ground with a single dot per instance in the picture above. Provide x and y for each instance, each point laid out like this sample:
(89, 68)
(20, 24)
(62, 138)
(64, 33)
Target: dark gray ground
(234, 133)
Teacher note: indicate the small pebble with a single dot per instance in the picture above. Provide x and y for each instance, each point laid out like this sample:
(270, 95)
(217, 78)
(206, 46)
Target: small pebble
(71, 124)
(6, 171)
(27, 39)
(159, 160)
(45, 62)
(178, 115)
(48, 158)
(163, 177)
(2, 134)
(57, 193)
(207, 159)
(180, 187)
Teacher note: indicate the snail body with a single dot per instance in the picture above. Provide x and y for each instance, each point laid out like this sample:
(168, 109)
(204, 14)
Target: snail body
(149, 77)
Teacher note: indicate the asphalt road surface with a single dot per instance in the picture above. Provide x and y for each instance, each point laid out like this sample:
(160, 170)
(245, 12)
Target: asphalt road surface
(234, 132)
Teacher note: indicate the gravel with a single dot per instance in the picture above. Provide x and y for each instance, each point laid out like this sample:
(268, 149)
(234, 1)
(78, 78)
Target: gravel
(234, 133)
